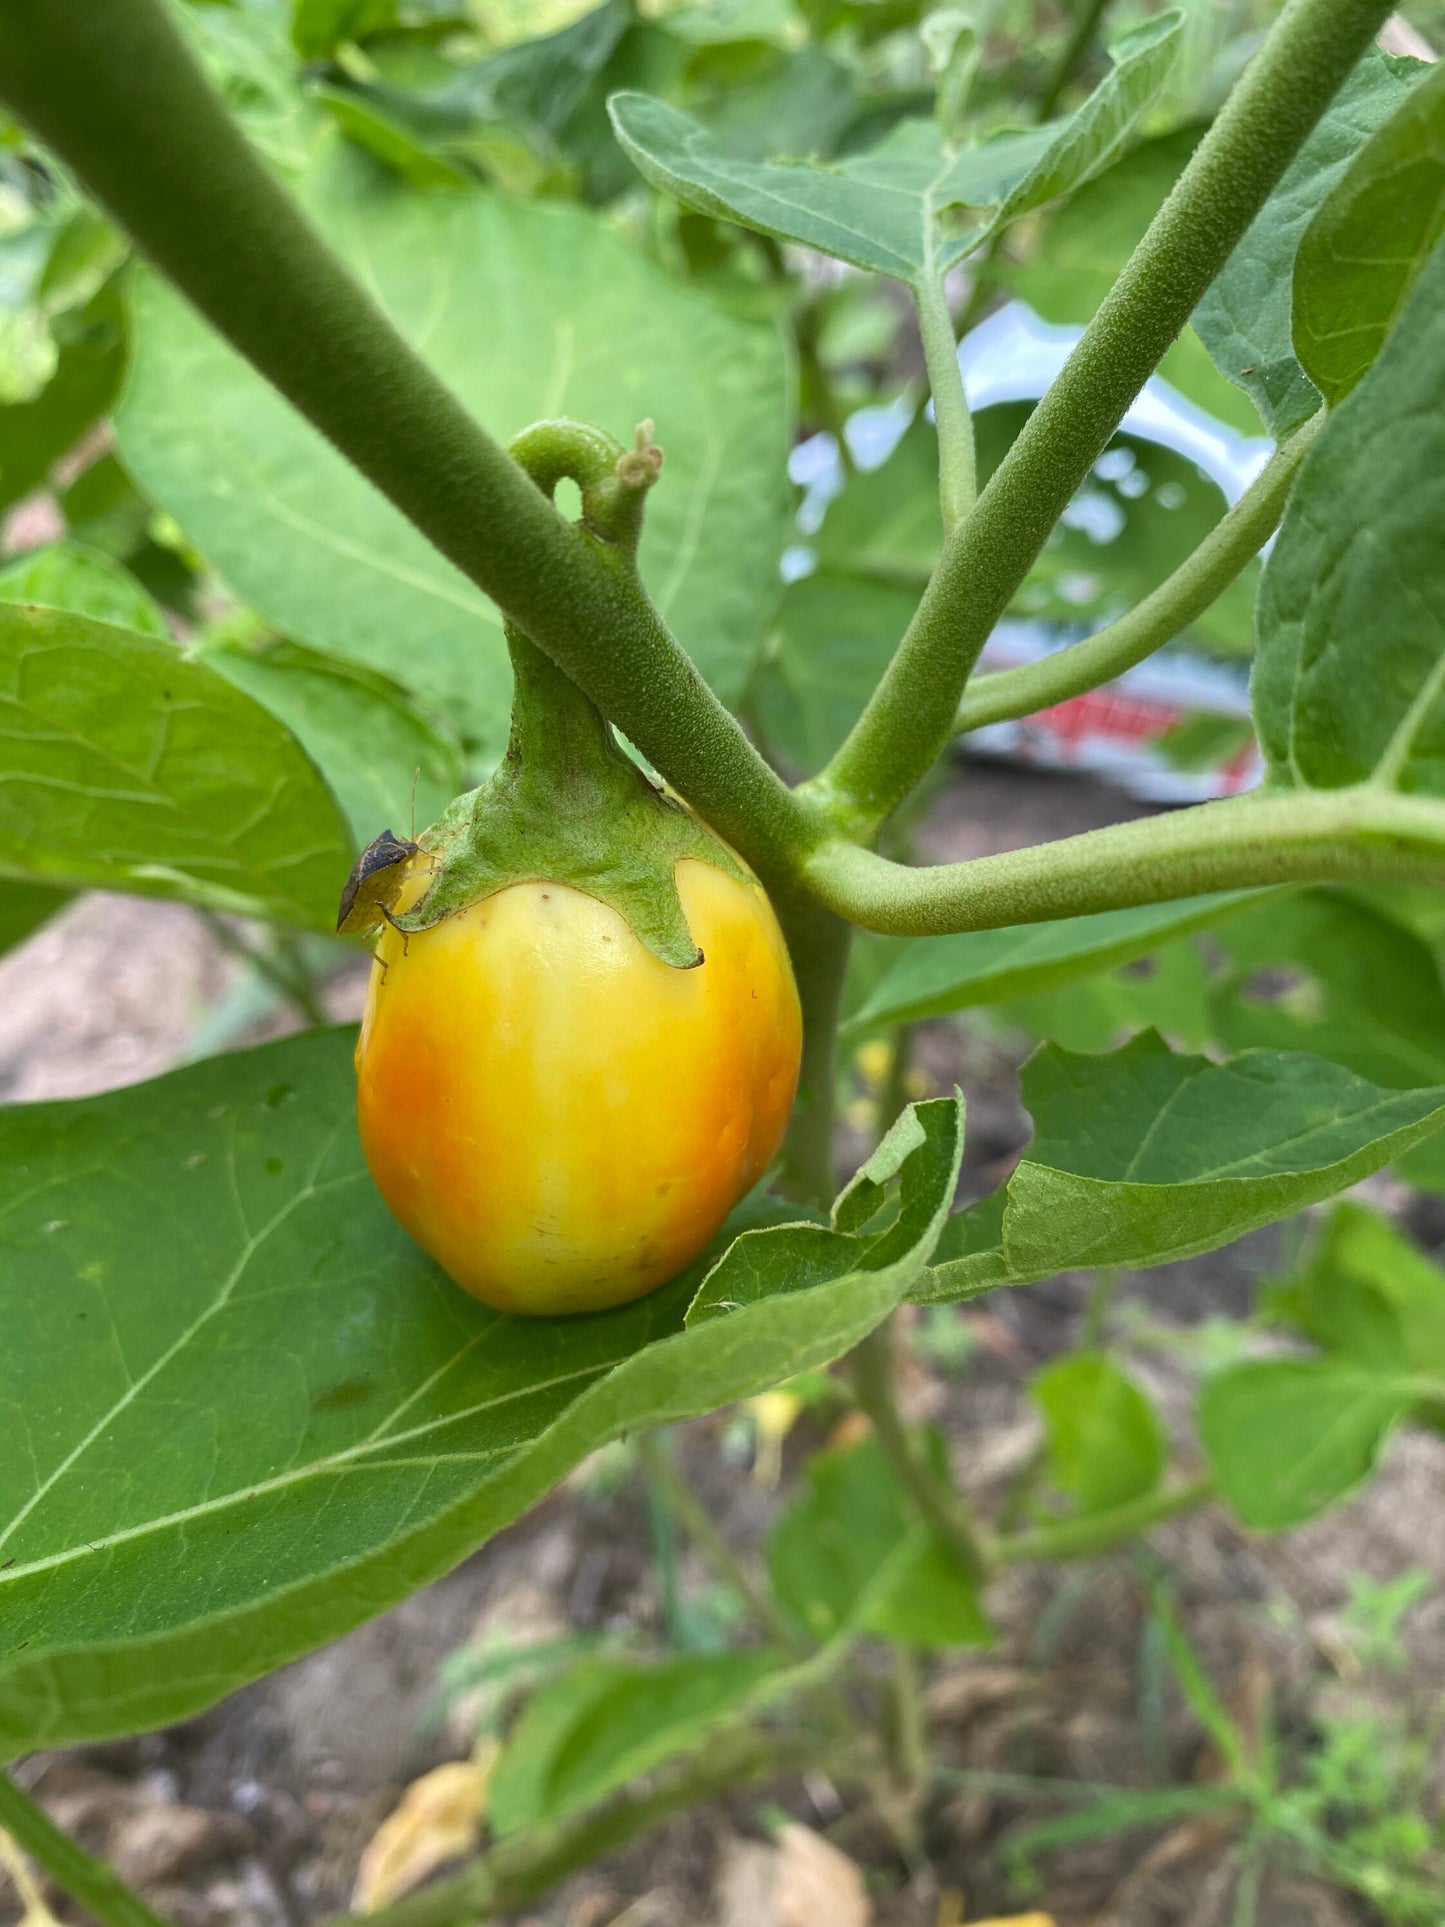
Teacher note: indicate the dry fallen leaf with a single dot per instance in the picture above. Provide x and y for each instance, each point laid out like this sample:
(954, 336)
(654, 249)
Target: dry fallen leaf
(438, 1818)
(34, 1912)
(817, 1883)
(774, 1415)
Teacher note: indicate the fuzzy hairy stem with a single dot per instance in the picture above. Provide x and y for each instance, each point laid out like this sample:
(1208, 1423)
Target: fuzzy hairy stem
(89, 1881)
(957, 470)
(115, 92)
(1361, 834)
(1198, 582)
(937, 1505)
(1266, 120)
(819, 944)
(655, 1451)
(1101, 1531)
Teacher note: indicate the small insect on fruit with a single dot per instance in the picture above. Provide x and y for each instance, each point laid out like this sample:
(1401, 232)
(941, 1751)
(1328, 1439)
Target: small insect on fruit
(374, 885)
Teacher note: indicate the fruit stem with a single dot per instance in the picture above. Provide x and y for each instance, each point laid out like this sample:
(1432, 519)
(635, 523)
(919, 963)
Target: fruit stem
(86, 1880)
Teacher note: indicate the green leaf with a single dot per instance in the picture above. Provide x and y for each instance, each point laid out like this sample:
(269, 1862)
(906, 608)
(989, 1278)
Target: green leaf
(126, 767)
(326, 560)
(1365, 1291)
(67, 575)
(362, 731)
(223, 1446)
(319, 26)
(847, 1554)
(922, 1152)
(365, 120)
(1286, 1437)
(1320, 971)
(1246, 317)
(835, 636)
(1145, 1156)
(1106, 1443)
(1199, 1691)
(1117, 1813)
(88, 370)
(1351, 657)
(24, 907)
(933, 975)
(886, 523)
(1167, 991)
(883, 210)
(1363, 251)
(606, 1721)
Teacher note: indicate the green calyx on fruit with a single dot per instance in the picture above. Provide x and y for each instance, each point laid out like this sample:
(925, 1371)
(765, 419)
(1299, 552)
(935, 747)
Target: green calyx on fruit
(567, 804)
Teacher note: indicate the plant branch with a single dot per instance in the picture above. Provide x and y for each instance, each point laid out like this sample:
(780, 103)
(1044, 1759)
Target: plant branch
(525, 1864)
(1091, 12)
(654, 1449)
(1267, 118)
(819, 945)
(89, 1881)
(1198, 581)
(938, 1506)
(1359, 834)
(1084, 1538)
(957, 474)
(115, 92)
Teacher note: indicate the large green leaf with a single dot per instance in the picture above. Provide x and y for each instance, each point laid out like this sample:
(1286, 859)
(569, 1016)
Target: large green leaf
(1246, 317)
(367, 737)
(605, 1721)
(834, 638)
(24, 907)
(933, 975)
(1363, 251)
(887, 209)
(1347, 682)
(1287, 1437)
(67, 575)
(1315, 970)
(127, 767)
(921, 1150)
(223, 1446)
(1106, 1443)
(1361, 1272)
(1144, 1156)
(526, 311)
(848, 1553)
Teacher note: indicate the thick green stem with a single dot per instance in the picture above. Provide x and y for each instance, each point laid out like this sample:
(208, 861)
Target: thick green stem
(936, 1504)
(1084, 1538)
(957, 474)
(654, 1449)
(113, 89)
(1263, 124)
(88, 1881)
(1198, 582)
(1359, 835)
(818, 944)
